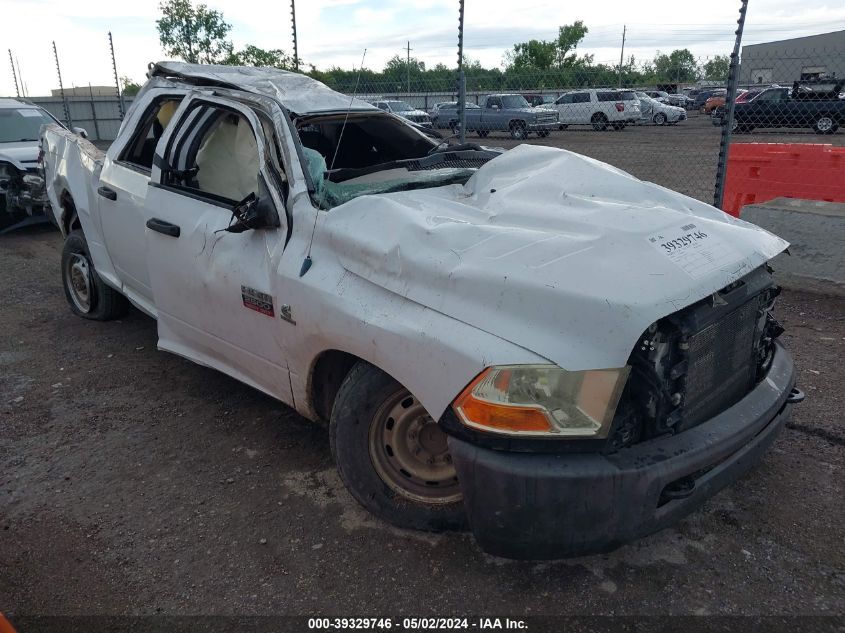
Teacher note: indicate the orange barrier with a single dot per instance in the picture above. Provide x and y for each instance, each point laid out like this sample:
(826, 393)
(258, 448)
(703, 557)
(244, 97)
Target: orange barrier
(5, 625)
(759, 172)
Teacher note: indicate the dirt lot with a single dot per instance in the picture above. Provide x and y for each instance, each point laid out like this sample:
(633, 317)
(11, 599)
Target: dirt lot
(134, 482)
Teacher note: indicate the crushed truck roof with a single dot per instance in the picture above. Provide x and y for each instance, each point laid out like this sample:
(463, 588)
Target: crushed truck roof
(296, 92)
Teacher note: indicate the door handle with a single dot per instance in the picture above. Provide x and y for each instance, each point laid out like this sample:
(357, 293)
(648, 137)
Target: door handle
(107, 192)
(160, 226)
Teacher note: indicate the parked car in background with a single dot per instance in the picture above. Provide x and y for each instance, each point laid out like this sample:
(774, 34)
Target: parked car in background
(23, 199)
(719, 111)
(658, 95)
(703, 95)
(537, 100)
(816, 104)
(600, 108)
(406, 111)
(442, 113)
(531, 343)
(508, 113)
(678, 100)
(654, 111)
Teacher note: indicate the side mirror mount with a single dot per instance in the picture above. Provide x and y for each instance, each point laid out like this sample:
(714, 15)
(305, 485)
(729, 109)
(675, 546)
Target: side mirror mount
(81, 131)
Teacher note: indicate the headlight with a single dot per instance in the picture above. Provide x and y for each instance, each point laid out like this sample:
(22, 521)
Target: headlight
(542, 400)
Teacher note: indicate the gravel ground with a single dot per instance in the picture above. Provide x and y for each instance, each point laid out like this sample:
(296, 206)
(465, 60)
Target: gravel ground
(134, 482)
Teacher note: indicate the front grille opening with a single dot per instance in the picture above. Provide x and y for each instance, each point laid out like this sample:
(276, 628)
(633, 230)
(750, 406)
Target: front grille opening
(696, 363)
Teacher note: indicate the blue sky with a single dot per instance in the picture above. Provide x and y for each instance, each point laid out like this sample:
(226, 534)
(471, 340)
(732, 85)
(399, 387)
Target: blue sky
(335, 32)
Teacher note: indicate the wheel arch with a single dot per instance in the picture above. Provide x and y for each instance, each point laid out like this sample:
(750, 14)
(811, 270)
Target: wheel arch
(70, 216)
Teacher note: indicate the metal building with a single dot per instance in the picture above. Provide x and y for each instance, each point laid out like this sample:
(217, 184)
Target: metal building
(785, 61)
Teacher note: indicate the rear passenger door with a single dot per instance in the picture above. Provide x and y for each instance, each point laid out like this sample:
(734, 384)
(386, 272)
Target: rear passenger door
(215, 290)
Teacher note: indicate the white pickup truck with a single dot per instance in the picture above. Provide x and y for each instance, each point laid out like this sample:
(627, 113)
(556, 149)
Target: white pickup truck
(532, 343)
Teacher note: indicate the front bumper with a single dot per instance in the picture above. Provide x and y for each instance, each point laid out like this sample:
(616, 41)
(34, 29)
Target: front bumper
(540, 506)
(542, 125)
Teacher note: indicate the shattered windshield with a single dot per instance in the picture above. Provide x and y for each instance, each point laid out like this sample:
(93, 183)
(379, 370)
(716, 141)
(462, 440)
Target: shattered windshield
(21, 124)
(371, 153)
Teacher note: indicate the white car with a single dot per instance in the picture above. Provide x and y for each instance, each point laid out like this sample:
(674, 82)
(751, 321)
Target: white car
(653, 111)
(532, 343)
(600, 108)
(406, 111)
(22, 195)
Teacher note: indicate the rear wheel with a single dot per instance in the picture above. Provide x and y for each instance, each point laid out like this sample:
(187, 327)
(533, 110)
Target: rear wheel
(599, 122)
(518, 131)
(483, 133)
(825, 124)
(543, 133)
(392, 456)
(86, 293)
(453, 127)
(618, 126)
(562, 127)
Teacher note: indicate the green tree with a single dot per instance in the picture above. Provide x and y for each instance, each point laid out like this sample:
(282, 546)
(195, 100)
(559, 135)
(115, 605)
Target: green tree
(568, 38)
(194, 34)
(717, 68)
(255, 56)
(677, 66)
(129, 87)
(543, 55)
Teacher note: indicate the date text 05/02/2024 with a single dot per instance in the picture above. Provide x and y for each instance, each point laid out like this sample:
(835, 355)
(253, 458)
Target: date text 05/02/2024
(415, 624)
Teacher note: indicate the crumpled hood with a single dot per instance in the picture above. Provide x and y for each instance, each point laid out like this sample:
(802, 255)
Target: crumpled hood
(558, 253)
(18, 153)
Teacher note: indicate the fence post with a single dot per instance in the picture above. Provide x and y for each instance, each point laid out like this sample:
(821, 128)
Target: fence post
(68, 120)
(462, 80)
(94, 112)
(728, 118)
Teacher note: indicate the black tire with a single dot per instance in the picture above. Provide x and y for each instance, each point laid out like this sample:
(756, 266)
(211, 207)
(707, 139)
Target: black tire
(599, 122)
(825, 124)
(660, 119)
(562, 127)
(543, 133)
(483, 133)
(87, 294)
(357, 430)
(453, 127)
(618, 126)
(518, 130)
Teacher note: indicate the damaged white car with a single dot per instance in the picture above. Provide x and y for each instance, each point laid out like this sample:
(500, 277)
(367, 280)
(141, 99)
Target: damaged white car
(532, 343)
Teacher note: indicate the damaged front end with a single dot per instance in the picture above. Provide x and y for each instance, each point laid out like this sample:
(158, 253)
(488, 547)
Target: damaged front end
(23, 197)
(699, 361)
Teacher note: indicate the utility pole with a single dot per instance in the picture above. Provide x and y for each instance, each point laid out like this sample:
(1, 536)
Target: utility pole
(622, 54)
(408, 67)
(68, 121)
(14, 74)
(293, 29)
(462, 82)
(120, 107)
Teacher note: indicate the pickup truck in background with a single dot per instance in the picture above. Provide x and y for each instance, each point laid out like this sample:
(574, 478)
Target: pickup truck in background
(816, 104)
(507, 113)
(531, 343)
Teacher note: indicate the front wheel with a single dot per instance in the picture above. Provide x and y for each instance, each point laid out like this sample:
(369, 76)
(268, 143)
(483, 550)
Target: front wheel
(660, 118)
(518, 131)
(86, 293)
(392, 455)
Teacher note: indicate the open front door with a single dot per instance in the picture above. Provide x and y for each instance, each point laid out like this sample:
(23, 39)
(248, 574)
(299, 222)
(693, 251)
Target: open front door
(213, 289)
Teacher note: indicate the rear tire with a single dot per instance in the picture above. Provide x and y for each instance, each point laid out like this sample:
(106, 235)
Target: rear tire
(825, 124)
(599, 122)
(87, 294)
(543, 133)
(391, 455)
(618, 126)
(483, 133)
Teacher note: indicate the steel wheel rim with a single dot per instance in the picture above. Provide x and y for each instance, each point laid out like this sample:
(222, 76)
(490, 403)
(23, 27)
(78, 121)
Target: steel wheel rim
(409, 452)
(824, 124)
(78, 281)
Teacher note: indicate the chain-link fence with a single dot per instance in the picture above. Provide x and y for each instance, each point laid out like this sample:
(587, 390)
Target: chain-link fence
(661, 125)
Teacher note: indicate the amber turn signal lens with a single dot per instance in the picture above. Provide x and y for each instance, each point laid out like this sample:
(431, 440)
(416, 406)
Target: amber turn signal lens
(497, 416)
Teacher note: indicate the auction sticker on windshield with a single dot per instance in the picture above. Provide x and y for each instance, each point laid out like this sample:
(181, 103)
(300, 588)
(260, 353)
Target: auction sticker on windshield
(693, 249)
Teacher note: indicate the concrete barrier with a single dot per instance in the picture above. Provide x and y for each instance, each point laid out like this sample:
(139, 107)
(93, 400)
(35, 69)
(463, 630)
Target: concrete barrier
(816, 232)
